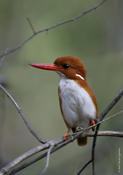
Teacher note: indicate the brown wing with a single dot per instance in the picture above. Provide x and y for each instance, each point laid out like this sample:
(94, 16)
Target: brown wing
(88, 89)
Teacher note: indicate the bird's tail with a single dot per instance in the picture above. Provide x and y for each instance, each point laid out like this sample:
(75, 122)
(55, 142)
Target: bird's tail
(82, 141)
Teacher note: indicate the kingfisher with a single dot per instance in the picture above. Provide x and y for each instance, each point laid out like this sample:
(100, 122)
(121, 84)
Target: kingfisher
(77, 101)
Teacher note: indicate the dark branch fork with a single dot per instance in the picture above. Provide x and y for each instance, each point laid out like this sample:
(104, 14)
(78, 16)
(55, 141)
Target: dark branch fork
(9, 51)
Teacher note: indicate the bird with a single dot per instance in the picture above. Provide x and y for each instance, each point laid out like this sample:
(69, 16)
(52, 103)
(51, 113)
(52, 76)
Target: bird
(77, 101)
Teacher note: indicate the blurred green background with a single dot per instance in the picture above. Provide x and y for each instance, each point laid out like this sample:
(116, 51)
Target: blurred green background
(97, 39)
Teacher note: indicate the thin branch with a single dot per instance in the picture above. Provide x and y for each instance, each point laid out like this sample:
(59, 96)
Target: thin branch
(47, 160)
(82, 169)
(3, 81)
(52, 27)
(22, 115)
(31, 152)
(61, 145)
(31, 25)
(110, 106)
(4, 56)
(108, 133)
(98, 123)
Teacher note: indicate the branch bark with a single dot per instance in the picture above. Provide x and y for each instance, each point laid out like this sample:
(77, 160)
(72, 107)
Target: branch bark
(57, 145)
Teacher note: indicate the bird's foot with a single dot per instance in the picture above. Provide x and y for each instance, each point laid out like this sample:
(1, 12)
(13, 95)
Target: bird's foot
(66, 135)
(92, 123)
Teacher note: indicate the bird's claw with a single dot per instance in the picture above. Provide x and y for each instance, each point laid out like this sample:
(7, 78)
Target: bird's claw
(65, 138)
(92, 123)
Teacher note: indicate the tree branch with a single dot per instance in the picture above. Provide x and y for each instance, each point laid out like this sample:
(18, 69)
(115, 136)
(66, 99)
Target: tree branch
(108, 133)
(28, 154)
(9, 51)
(47, 160)
(3, 57)
(21, 114)
(57, 144)
(31, 25)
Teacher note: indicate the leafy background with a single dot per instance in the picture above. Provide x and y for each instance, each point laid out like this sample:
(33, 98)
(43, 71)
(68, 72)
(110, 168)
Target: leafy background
(97, 39)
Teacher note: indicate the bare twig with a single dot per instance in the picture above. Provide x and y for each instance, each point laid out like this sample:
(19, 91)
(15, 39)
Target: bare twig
(3, 81)
(61, 145)
(4, 55)
(31, 25)
(21, 158)
(31, 152)
(108, 133)
(47, 160)
(108, 118)
(21, 114)
(52, 27)
(82, 169)
(110, 106)
(2, 125)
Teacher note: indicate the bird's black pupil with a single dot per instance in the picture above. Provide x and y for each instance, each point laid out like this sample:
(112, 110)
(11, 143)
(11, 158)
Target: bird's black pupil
(66, 66)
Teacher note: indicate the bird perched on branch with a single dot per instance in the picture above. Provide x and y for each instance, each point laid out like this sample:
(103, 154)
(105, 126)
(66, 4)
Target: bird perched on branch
(77, 101)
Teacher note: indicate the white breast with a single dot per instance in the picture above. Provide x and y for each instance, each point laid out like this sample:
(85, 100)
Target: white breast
(77, 105)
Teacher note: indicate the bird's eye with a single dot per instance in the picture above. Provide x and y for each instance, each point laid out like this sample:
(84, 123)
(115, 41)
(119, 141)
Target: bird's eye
(66, 66)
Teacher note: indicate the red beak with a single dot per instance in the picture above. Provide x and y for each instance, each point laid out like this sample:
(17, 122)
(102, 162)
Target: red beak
(52, 67)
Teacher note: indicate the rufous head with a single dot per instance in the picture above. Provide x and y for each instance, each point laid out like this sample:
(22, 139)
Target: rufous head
(67, 66)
